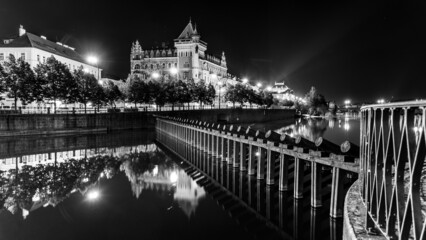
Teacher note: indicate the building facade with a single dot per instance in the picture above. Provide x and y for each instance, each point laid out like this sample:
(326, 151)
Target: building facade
(36, 49)
(186, 60)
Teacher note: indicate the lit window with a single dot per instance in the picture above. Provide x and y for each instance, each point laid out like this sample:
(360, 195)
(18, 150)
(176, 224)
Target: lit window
(23, 56)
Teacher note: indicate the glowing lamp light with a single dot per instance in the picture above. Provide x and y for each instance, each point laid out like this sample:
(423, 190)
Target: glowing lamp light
(93, 195)
(86, 70)
(259, 85)
(101, 82)
(269, 88)
(155, 75)
(85, 180)
(214, 76)
(155, 170)
(36, 198)
(173, 177)
(245, 80)
(257, 153)
(347, 102)
(92, 59)
(220, 83)
(173, 70)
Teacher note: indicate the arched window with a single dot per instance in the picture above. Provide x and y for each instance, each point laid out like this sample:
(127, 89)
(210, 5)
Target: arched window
(170, 65)
(164, 65)
(137, 67)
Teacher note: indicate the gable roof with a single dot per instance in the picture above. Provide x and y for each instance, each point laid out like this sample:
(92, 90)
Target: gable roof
(32, 40)
(187, 32)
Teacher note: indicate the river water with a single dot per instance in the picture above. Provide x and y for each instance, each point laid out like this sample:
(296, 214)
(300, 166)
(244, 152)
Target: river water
(126, 186)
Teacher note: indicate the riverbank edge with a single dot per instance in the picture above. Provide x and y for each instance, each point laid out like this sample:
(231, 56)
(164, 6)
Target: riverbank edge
(38, 124)
(354, 216)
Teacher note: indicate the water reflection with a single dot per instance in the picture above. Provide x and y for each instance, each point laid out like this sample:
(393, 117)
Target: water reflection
(33, 181)
(336, 130)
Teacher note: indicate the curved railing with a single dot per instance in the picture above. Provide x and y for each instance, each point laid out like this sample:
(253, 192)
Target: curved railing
(392, 167)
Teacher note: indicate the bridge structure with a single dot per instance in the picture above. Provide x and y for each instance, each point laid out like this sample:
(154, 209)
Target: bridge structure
(272, 157)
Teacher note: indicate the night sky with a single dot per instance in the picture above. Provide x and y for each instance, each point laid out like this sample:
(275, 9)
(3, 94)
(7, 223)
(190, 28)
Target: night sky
(361, 51)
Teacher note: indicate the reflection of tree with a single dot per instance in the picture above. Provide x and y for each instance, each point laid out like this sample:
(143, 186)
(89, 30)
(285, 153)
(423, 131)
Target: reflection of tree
(51, 183)
(311, 128)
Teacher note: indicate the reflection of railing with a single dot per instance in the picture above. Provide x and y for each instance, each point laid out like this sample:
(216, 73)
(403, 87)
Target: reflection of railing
(260, 154)
(393, 151)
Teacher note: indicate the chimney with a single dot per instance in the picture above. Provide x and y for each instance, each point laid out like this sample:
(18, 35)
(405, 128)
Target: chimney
(21, 30)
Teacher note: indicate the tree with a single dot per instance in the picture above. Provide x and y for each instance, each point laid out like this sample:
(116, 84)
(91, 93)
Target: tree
(184, 92)
(211, 94)
(112, 93)
(87, 87)
(253, 97)
(59, 84)
(236, 93)
(317, 105)
(267, 99)
(19, 81)
(157, 93)
(2, 81)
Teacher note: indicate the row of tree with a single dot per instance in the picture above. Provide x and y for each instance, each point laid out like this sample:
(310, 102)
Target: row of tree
(244, 94)
(172, 92)
(53, 81)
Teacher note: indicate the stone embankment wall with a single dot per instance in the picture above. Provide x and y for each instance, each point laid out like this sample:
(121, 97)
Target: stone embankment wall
(25, 124)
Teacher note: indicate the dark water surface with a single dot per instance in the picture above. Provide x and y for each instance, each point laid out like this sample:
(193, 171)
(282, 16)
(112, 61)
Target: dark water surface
(134, 191)
(126, 186)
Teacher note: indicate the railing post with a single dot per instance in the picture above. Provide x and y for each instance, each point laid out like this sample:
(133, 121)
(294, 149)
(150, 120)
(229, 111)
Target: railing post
(230, 146)
(261, 163)
(270, 169)
(243, 156)
(316, 198)
(251, 170)
(299, 172)
(236, 152)
(336, 202)
(283, 184)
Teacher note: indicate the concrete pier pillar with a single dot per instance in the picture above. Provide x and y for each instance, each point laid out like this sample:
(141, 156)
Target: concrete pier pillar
(270, 166)
(236, 154)
(229, 147)
(336, 201)
(251, 159)
(283, 180)
(243, 156)
(261, 158)
(299, 172)
(316, 198)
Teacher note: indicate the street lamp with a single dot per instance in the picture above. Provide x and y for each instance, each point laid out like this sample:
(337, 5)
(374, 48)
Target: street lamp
(245, 80)
(173, 71)
(155, 75)
(380, 101)
(94, 60)
(259, 85)
(268, 88)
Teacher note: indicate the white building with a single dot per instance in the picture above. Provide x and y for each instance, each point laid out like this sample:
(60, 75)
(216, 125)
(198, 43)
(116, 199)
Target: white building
(36, 49)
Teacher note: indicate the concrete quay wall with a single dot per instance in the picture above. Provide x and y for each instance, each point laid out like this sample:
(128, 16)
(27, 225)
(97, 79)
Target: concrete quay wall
(49, 123)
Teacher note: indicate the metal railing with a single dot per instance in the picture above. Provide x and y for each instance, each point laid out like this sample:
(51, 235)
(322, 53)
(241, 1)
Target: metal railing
(392, 167)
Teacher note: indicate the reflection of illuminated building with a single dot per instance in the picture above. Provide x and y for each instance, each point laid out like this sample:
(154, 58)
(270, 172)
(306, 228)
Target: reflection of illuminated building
(58, 157)
(187, 192)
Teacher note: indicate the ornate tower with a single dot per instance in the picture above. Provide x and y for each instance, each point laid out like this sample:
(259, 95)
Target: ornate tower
(223, 60)
(189, 50)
